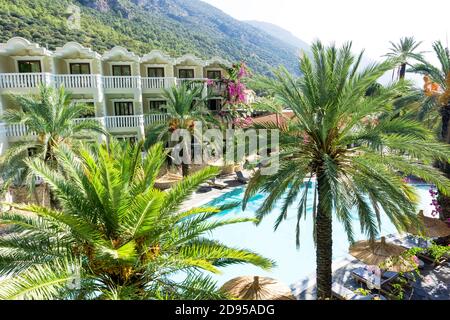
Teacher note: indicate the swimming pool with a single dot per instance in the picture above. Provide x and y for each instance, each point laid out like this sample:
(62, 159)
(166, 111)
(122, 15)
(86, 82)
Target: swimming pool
(292, 264)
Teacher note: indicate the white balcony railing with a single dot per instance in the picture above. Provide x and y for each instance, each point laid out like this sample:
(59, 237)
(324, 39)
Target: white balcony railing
(110, 122)
(120, 82)
(75, 81)
(16, 130)
(217, 86)
(79, 120)
(154, 118)
(81, 81)
(157, 83)
(192, 81)
(21, 80)
(123, 121)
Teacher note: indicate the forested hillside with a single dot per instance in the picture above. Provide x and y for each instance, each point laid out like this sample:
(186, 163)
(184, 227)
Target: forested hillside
(175, 26)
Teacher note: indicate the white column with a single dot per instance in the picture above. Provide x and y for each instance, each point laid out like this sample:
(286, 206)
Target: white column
(3, 138)
(139, 110)
(138, 105)
(48, 79)
(141, 129)
(100, 105)
(99, 97)
(205, 90)
(101, 137)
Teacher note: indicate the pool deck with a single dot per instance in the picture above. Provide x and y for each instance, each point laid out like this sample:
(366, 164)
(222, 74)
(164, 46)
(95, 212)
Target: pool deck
(200, 199)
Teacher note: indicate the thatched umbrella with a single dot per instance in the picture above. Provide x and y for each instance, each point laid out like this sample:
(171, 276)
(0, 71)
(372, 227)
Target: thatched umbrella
(257, 288)
(429, 227)
(382, 254)
(167, 181)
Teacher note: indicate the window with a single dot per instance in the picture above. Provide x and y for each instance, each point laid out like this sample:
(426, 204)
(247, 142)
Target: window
(121, 70)
(214, 104)
(88, 113)
(186, 73)
(80, 68)
(123, 108)
(157, 105)
(29, 66)
(155, 72)
(214, 74)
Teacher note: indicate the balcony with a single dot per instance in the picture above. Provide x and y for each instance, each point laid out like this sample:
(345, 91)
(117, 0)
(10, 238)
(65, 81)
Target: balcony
(110, 122)
(217, 87)
(80, 120)
(149, 84)
(16, 130)
(76, 81)
(192, 82)
(23, 80)
(154, 118)
(121, 82)
(109, 83)
(123, 122)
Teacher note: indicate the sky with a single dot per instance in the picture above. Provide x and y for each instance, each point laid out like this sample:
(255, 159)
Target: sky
(368, 24)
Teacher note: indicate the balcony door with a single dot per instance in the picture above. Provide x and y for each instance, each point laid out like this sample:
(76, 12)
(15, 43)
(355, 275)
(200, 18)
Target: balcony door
(123, 108)
(157, 106)
(80, 68)
(186, 73)
(90, 112)
(214, 104)
(155, 72)
(29, 66)
(214, 74)
(121, 70)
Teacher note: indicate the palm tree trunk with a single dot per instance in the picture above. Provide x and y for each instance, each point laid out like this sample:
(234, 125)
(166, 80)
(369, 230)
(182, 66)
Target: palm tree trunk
(402, 71)
(444, 201)
(52, 200)
(185, 169)
(324, 245)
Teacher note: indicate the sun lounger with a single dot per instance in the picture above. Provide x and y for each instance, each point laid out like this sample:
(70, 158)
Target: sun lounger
(241, 178)
(371, 280)
(218, 185)
(382, 284)
(343, 293)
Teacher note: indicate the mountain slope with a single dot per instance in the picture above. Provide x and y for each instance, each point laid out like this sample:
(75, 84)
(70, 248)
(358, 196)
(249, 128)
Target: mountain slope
(175, 26)
(280, 33)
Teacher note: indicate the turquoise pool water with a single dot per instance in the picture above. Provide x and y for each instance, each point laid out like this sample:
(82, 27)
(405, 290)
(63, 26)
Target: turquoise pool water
(292, 264)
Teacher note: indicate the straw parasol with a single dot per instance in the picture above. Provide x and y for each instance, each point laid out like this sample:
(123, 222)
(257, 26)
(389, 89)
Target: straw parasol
(429, 227)
(167, 181)
(257, 288)
(381, 253)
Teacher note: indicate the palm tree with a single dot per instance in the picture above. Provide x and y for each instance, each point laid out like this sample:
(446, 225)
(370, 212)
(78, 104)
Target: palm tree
(185, 106)
(338, 137)
(49, 118)
(404, 51)
(116, 236)
(436, 103)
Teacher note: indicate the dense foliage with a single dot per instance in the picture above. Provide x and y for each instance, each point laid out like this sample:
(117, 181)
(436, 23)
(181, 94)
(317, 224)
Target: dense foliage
(115, 236)
(174, 26)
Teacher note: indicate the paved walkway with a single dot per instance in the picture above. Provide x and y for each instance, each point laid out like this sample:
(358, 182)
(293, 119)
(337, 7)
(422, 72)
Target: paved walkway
(200, 199)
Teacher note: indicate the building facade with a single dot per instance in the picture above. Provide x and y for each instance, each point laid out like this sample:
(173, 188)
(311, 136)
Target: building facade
(124, 88)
